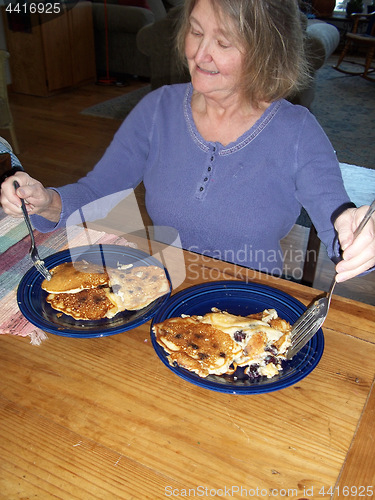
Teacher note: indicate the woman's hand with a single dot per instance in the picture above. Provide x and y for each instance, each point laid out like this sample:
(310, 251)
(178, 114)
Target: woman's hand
(38, 199)
(359, 255)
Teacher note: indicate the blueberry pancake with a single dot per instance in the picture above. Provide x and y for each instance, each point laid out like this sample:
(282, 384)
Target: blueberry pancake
(135, 288)
(197, 346)
(218, 342)
(89, 304)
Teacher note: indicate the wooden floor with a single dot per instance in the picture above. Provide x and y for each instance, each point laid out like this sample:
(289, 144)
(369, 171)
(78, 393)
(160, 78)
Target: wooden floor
(59, 145)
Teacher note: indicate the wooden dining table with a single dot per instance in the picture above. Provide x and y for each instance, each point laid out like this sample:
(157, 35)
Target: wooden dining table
(104, 418)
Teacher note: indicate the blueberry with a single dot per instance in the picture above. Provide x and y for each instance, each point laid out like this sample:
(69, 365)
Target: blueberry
(272, 349)
(253, 372)
(239, 336)
(270, 359)
(254, 367)
(193, 346)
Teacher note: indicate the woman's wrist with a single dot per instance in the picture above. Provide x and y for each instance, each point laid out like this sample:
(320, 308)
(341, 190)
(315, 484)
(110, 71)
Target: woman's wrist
(53, 207)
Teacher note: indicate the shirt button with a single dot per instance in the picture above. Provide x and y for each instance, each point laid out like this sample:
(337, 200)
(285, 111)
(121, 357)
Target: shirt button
(209, 169)
(212, 158)
(205, 179)
(201, 188)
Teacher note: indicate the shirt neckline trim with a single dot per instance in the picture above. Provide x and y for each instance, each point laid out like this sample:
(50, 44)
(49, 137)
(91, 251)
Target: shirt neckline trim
(233, 147)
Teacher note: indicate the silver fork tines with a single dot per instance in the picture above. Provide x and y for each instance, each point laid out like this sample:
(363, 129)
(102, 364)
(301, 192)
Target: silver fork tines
(37, 261)
(305, 321)
(39, 264)
(305, 327)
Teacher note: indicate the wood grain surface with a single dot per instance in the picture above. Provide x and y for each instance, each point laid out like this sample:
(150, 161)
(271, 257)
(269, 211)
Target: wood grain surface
(104, 418)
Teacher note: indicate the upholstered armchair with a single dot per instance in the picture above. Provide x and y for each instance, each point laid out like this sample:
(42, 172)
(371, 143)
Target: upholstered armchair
(125, 19)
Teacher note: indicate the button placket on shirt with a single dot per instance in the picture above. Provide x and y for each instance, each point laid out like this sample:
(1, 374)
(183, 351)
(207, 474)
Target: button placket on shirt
(203, 185)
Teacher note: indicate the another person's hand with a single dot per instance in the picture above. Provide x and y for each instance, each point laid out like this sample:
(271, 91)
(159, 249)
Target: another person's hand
(359, 255)
(38, 199)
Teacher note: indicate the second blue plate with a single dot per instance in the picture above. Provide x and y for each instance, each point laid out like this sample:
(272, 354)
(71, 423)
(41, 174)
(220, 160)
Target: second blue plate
(241, 298)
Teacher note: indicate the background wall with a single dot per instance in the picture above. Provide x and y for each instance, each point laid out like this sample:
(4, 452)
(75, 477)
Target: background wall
(3, 46)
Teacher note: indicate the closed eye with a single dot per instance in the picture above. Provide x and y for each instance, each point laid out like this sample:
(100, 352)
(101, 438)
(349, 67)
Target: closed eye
(194, 30)
(223, 45)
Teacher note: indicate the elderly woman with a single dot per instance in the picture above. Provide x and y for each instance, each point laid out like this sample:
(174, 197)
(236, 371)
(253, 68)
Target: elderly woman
(225, 159)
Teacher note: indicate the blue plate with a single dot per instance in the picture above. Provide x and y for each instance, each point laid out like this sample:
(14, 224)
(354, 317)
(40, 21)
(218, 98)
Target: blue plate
(32, 298)
(241, 298)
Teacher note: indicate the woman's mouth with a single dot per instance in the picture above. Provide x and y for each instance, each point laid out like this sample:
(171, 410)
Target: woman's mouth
(208, 71)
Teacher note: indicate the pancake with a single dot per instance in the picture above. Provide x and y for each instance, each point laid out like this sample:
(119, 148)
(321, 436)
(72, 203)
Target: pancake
(87, 292)
(72, 277)
(135, 288)
(218, 342)
(197, 346)
(90, 304)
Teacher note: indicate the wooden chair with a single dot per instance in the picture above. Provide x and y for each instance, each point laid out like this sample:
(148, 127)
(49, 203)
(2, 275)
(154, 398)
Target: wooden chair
(366, 40)
(312, 249)
(6, 119)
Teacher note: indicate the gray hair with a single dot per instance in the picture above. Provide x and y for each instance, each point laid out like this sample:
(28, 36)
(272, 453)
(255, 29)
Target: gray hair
(272, 35)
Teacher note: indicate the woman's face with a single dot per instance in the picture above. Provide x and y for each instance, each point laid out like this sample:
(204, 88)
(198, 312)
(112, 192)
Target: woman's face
(215, 62)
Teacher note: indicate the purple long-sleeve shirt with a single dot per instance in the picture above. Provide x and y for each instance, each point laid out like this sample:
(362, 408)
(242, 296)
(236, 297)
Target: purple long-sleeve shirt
(233, 202)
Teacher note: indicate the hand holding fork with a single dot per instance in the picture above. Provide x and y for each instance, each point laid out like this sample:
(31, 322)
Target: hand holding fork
(38, 262)
(312, 319)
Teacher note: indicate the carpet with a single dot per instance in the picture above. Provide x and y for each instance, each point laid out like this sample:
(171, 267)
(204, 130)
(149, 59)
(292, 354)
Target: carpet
(344, 106)
(117, 108)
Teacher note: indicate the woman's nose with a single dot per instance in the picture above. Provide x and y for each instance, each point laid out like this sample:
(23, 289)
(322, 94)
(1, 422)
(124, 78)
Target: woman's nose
(203, 53)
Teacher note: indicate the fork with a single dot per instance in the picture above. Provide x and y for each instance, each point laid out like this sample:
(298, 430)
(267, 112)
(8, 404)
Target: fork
(34, 254)
(312, 319)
